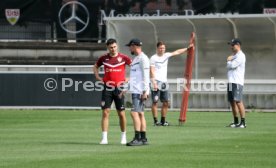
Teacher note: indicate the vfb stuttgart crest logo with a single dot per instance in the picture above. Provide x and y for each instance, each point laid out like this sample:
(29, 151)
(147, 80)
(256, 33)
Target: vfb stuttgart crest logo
(119, 59)
(12, 15)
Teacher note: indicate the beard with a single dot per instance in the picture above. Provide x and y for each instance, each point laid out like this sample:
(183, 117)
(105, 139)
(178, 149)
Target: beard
(132, 52)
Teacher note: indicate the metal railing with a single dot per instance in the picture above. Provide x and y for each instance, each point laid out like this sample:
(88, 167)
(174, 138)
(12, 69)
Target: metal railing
(75, 69)
(259, 94)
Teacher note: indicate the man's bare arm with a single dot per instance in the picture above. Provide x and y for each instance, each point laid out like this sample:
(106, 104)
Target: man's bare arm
(96, 72)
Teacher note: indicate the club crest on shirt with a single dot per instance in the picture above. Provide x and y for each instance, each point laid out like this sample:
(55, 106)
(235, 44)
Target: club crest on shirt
(119, 59)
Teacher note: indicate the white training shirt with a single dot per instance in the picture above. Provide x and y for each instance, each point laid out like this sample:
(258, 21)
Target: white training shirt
(161, 66)
(236, 68)
(139, 74)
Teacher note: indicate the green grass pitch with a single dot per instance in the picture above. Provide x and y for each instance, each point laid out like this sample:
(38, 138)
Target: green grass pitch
(69, 139)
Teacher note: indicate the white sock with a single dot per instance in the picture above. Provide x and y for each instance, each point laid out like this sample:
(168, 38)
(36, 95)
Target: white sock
(123, 134)
(104, 138)
(123, 138)
(104, 135)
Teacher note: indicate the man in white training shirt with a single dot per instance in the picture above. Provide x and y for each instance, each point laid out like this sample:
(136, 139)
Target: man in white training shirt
(235, 74)
(139, 87)
(159, 86)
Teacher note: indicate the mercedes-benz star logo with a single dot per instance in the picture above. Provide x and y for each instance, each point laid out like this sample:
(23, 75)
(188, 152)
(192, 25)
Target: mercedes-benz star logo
(73, 18)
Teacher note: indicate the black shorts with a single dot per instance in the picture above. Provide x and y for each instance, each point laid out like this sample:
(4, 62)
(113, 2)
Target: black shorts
(112, 93)
(161, 93)
(234, 92)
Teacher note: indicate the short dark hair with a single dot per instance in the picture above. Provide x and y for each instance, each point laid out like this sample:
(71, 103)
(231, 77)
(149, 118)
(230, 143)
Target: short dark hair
(110, 41)
(160, 43)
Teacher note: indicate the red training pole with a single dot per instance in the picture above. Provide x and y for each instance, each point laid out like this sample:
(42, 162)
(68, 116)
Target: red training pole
(188, 72)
